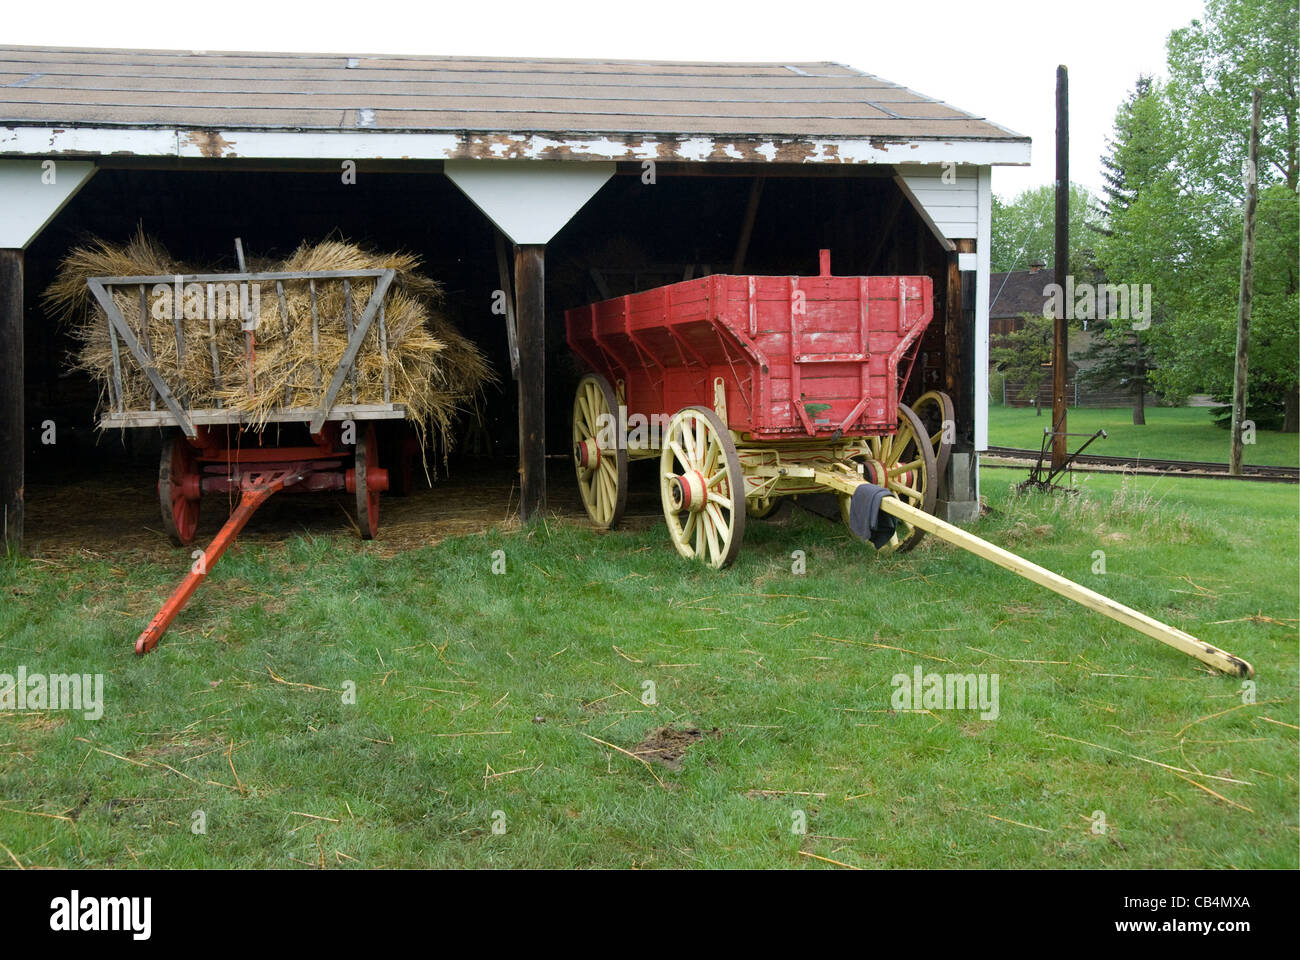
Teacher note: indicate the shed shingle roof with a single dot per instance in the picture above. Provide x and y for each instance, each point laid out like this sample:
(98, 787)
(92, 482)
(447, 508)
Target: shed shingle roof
(207, 90)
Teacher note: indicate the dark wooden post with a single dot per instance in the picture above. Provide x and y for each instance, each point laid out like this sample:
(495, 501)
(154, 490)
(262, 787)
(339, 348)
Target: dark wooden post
(958, 333)
(1235, 455)
(1060, 335)
(530, 335)
(13, 440)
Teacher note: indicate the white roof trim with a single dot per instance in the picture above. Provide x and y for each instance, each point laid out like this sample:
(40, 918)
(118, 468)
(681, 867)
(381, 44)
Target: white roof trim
(40, 141)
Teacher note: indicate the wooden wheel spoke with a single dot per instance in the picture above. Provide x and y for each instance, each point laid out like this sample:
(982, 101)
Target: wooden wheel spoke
(903, 488)
(604, 486)
(711, 460)
(712, 523)
(699, 449)
(688, 444)
(680, 454)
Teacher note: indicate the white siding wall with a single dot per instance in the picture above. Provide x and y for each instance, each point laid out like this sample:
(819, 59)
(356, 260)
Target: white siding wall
(961, 207)
(953, 206)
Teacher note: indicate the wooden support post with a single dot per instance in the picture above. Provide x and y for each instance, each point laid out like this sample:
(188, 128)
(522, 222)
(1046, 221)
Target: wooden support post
(747, 226)
(1060, 335)
(530, 334)
(1244, 298)
(13, 439)
(503, 278)
(959, 343)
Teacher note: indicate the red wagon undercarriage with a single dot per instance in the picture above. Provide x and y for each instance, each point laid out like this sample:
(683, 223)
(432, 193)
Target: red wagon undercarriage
(216, 461)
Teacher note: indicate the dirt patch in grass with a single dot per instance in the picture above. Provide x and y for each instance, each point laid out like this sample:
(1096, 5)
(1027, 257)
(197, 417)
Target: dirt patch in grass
(31, 721)
(668, 745)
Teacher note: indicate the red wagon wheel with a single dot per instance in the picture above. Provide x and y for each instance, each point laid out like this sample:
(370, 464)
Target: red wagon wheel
(367, 461)
(179, 489)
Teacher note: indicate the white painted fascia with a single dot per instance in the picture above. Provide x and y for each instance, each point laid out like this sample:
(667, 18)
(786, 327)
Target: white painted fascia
(25, 140)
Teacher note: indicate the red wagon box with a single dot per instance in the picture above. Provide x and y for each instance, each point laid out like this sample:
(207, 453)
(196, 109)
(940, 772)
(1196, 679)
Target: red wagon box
(799, 357)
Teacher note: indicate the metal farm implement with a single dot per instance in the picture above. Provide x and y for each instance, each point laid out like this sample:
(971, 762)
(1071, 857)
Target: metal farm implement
(750, 389)
(205, 453)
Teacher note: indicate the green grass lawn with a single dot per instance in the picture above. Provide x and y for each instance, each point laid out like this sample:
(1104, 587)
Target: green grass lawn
(487, 699)
(1170, 433)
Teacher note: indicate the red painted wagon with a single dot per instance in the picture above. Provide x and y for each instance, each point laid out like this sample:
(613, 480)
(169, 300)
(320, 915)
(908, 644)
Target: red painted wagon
(750, 389)
(745, 387)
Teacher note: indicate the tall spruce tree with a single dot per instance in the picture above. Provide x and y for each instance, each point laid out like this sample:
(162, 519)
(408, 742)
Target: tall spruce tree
(1119, 355)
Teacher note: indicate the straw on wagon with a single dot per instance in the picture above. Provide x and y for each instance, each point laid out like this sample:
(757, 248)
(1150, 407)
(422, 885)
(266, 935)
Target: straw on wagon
(426, 365)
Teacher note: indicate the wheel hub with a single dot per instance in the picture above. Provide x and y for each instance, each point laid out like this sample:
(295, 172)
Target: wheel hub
(686, 491)
(587, 455)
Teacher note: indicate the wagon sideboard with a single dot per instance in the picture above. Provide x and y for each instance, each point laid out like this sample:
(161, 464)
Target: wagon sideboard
(798, 356)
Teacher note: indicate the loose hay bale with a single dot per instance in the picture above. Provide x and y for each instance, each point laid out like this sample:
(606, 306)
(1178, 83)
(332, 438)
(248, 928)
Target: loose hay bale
(429, 367)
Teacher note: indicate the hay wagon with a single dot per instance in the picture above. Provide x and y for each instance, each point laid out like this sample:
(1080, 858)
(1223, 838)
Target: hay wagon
(217, 449)
(752, 389)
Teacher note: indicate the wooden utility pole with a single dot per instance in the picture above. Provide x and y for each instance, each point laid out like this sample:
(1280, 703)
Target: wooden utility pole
(1247, 282)
(12, 432)
(530, 335)
(1060, 335)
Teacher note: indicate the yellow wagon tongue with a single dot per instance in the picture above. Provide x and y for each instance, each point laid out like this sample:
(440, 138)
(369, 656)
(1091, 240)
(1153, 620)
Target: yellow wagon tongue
(1207, 653)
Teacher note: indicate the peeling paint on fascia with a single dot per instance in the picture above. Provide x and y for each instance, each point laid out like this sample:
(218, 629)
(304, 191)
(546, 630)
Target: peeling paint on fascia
(538, 147)
(502, 145)
(825, 151)
(696, 148)
(603, 148)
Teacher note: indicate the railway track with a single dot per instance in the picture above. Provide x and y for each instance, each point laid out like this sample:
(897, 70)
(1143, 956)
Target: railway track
(1155, 468)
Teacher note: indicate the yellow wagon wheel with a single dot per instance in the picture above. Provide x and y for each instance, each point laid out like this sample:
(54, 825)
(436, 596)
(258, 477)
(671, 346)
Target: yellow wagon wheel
(935, 410)
(702, 488)
(599, 451)
(905, 464)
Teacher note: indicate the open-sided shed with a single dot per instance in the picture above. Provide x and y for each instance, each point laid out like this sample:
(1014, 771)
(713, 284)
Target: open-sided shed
(604, 176)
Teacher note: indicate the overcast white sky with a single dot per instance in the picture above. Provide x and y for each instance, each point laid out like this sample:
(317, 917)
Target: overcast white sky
(996, 59)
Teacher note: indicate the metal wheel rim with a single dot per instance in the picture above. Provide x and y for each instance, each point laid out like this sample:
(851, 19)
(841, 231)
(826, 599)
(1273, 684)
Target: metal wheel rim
(604, 489)
(697, 441)
(940, 403)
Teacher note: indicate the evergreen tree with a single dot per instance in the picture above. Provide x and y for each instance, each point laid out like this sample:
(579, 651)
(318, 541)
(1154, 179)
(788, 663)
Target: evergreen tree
(1024, 356)
(1118, 356)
